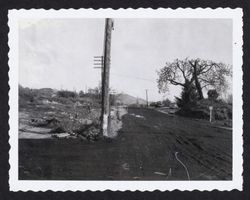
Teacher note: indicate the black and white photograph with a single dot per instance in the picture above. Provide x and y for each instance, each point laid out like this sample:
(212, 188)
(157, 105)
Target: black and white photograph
(126, 99)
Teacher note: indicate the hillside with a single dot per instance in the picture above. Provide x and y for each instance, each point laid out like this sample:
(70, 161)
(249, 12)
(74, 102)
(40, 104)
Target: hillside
(128, 99)
(31, 95)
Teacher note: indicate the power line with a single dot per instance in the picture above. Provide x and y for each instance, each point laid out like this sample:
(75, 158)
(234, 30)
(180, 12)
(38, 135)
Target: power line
(133, 77)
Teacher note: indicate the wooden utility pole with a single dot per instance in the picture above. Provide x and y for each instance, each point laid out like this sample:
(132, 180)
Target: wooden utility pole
(147, 97)
(109, 23)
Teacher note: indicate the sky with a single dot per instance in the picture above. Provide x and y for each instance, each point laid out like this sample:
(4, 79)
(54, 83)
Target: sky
(58, 53)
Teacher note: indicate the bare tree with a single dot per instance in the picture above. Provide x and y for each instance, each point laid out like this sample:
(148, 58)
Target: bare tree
(201, 73)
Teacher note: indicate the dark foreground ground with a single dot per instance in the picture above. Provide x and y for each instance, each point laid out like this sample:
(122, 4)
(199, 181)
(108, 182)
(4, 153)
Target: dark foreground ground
(150, 146)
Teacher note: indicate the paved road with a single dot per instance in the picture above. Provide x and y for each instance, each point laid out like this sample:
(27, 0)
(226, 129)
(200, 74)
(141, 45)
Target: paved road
(150, 146)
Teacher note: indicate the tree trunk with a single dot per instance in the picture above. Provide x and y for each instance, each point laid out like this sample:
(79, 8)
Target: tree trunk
(197, 84)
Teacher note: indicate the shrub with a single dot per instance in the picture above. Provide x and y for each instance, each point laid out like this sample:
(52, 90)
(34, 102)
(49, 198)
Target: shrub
(166, 102)
(26, 96)
(81, 94)
(212, 94)
(188, 98)
(66, 94)
(221, 110)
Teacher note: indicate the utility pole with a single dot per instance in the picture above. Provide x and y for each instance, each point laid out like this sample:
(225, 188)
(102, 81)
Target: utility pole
(105, 115)
(147, 97)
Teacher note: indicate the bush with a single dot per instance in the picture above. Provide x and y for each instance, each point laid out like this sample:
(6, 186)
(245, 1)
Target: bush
(156, 104)
(212, 94)
(166, 102)
(26, 96)
(188, 98)
(81, 94)
(221, 110)
(192, 113)
(66, 94)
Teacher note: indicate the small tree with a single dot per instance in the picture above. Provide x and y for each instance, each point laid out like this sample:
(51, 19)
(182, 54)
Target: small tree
(212, 94)
(166, 102)
(189, 96)
(66, 94)
(81, 94)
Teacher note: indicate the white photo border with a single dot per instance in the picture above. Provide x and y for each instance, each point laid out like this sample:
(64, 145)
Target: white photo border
(237, 167)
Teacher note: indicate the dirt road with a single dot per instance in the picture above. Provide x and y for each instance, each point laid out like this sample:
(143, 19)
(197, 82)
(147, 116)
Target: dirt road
(150, 146)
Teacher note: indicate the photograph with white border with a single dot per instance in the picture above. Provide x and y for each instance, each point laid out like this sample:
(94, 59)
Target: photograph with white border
(127, 99)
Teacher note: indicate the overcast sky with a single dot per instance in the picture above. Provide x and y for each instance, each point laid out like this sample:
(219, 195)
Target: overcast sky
(58, 53)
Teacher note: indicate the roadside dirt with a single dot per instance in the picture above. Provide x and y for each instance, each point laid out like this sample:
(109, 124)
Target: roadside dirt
(55, 120)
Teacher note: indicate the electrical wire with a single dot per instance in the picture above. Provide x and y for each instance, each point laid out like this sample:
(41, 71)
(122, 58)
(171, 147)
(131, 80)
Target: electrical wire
(133, 77)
